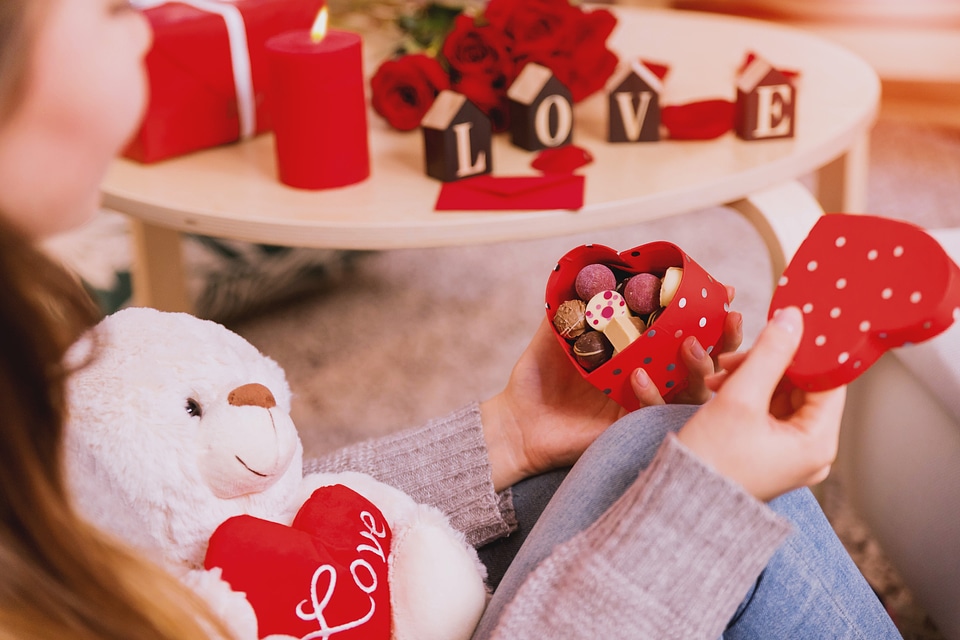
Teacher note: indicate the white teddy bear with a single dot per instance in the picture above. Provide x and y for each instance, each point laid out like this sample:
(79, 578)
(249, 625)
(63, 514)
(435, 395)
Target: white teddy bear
(180, 430)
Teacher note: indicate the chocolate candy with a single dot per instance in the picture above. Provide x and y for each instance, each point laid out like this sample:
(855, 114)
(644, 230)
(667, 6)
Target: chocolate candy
(671, 282)
(593, 279)
(621, 332)
(642, 293)
(603, 307)
(569, 320)
(592, 349)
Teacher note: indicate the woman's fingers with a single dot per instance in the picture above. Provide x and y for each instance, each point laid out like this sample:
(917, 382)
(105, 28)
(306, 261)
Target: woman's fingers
(758, 375)
(644, 388)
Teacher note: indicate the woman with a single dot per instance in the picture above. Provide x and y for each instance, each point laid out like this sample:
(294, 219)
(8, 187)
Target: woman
(71, 94)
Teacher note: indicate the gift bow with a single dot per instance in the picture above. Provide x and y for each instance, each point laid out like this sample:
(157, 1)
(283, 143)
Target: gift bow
(239, 53)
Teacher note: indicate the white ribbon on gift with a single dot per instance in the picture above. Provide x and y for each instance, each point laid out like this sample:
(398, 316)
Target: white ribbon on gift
(239, 54)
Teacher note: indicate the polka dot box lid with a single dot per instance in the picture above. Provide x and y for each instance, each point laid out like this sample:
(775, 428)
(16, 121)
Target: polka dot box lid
(698, 308)
(865, 284)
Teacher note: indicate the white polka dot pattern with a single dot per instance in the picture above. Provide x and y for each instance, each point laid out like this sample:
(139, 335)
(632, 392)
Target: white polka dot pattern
(865, 284)
(697, 309)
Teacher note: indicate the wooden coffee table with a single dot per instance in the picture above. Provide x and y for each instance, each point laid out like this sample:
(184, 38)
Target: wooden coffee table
(232, 192)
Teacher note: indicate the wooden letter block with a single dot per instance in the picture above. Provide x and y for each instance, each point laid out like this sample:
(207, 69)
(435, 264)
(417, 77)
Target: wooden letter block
(541, 110)
(457, 138)
(634, 105)
(766, 103)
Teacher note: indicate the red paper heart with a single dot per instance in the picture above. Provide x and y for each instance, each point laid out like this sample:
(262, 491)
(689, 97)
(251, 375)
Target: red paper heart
(698, 309)
(866, 284)
(326, 573)
(565, 159)
(700, 120)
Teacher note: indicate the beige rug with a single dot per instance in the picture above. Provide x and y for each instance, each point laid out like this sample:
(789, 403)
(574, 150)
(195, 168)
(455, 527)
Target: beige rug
(408, 335)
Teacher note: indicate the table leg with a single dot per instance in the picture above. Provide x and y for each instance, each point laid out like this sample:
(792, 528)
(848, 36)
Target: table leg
(783, 216)
(157, 271)
(842, 184)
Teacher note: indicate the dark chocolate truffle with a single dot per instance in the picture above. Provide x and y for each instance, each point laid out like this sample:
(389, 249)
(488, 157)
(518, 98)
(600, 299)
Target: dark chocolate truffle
(592, 349)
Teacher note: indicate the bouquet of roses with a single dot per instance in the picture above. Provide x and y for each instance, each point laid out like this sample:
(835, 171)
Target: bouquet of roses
(480, 52)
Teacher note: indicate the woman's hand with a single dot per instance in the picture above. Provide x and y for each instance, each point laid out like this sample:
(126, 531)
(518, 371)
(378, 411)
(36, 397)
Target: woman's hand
(761, 431)
(548, 414)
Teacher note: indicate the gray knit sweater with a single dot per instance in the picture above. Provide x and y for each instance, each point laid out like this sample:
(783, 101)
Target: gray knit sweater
(671, 558)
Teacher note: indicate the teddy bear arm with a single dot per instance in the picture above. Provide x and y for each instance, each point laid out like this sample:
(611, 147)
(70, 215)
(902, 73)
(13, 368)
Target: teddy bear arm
(229, 606)
(437, 588)
(396, 506)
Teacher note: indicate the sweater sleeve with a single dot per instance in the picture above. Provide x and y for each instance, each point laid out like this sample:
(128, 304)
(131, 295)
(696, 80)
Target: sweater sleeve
(443, 463)
(671, 558)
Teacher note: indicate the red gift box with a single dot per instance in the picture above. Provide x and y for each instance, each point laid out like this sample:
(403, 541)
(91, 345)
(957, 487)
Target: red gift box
(866, 284)
(191, 67)
(699, 308)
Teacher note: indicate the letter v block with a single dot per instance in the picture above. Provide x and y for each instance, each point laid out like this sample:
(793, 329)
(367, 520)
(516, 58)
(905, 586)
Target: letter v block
(633, 97)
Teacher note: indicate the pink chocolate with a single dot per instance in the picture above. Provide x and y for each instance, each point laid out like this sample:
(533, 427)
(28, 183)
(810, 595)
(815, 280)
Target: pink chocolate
(593, 279)
(642, 293)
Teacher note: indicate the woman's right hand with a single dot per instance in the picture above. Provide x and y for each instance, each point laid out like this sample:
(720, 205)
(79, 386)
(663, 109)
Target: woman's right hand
(758, 429)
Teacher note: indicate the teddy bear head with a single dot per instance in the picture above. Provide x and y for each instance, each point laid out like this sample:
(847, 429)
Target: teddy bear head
(176, 424)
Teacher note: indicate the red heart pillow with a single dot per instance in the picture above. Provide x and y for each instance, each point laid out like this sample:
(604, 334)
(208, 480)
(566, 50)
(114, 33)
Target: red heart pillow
(326, 573)
(866, 284)
(698, 308)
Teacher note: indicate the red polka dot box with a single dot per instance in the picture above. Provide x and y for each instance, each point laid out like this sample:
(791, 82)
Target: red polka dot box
(865, 284)
(698, 308)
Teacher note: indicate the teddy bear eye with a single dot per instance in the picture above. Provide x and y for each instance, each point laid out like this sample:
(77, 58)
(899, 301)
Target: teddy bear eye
(193, 408)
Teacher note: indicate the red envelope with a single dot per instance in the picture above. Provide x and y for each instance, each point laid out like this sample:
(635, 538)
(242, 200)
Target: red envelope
(526, 193)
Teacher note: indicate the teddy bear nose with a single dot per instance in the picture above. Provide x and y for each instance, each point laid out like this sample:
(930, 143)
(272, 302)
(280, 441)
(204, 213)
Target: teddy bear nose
(252, 395)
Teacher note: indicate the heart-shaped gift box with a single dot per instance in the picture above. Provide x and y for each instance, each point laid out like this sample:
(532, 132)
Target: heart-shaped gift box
(698, 309)
(865, 284)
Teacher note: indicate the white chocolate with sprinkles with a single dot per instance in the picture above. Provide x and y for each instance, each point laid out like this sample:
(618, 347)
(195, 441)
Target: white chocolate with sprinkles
(603, 307)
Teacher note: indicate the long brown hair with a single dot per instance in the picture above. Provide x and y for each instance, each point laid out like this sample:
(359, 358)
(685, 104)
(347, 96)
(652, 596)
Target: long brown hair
(59, 576)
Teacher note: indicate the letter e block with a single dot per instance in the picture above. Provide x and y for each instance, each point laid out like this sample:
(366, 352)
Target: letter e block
(766, 103)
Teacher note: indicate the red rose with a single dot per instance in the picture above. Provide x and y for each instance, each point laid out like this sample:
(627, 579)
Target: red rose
(534, 27)
(475, 50)
(489, 98)
(403, 89)
(585, 71)
(593, 28)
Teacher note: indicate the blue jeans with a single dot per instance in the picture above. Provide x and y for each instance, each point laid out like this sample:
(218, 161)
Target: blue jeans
(810, 588)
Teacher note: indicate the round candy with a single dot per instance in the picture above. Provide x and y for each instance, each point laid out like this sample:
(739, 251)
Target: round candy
(671, 282)
(603, 307)
(592, 349)
(569, 320)
(642, 293)
(593, 279)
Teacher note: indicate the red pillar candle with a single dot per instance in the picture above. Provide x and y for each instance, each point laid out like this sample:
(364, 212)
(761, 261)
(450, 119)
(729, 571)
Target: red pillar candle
(318, 109)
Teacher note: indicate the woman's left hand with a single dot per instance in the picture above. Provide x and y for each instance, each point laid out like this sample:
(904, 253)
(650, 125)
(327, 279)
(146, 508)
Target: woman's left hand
(548, 414)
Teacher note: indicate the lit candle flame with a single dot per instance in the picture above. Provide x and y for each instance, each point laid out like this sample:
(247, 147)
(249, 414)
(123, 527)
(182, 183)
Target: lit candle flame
(319, 30)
